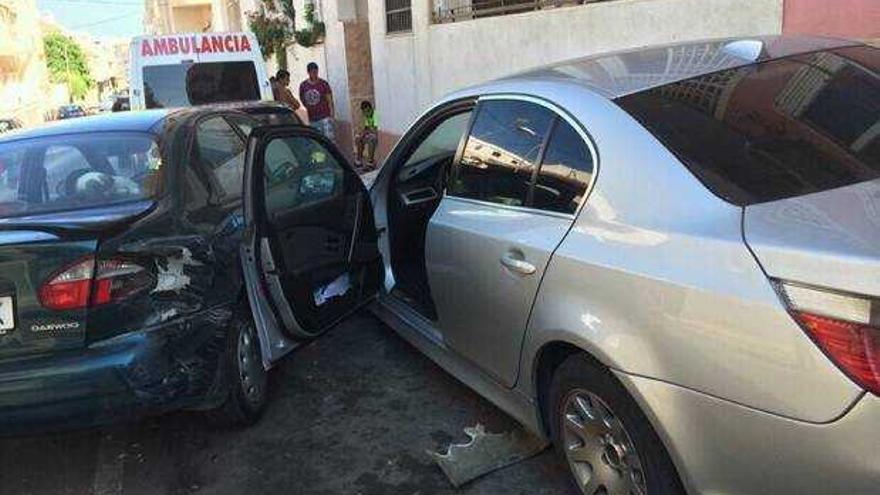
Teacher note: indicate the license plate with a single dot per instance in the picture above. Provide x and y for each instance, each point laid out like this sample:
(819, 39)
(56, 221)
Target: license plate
(7, 314)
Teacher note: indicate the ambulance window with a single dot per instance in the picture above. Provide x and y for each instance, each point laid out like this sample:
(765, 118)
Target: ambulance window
(182, 85)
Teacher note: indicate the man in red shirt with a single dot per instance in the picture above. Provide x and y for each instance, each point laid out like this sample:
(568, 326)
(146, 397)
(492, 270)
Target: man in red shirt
(317, 97)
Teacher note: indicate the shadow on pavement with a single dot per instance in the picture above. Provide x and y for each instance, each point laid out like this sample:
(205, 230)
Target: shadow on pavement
(353, 412)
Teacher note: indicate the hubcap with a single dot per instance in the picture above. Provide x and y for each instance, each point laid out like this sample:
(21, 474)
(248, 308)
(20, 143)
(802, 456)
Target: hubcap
(252, 376)
(599, 450)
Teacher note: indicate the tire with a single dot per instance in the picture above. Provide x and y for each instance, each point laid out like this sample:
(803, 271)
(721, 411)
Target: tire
(245, 379)
(594, 422)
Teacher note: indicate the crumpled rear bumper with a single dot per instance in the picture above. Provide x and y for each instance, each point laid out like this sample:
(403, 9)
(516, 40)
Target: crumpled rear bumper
(166, 368)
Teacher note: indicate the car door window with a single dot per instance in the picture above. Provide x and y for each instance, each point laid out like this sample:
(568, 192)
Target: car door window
(502, 151)
(244, 124)
(299, 172)
(221, 151)
(442, 141)
(565, 171)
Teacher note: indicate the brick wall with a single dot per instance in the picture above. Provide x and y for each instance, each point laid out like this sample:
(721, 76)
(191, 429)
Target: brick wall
(844, 18)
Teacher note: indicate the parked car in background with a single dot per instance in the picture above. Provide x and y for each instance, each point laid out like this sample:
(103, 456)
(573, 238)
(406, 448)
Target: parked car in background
(9, 124)
(70, 112)
(107, 103)
(121, 104)
(665, 260)
(121, 292)
(116, 102)
(187, 69)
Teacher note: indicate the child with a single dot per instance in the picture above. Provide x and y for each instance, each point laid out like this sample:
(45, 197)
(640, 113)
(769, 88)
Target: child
(367, 138)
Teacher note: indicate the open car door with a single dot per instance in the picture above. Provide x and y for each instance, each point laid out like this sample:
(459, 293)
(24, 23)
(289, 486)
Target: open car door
(310, 250)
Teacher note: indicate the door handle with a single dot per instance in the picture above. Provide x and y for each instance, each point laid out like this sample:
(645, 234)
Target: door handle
(517, 264)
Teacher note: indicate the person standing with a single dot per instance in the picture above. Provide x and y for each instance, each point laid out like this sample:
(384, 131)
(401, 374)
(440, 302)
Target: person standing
(281, 90)
(317, 97)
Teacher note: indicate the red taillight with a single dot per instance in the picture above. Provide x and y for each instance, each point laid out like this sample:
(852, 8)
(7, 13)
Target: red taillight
(854, 347)
(844, 327)
(86, 284)
(69, 289)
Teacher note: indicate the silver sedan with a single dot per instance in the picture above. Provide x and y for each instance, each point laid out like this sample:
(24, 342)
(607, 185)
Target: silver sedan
(667, 261)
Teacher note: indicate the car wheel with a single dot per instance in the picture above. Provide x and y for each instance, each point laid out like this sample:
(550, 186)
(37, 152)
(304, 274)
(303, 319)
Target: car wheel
(608, 443)
(247, 380)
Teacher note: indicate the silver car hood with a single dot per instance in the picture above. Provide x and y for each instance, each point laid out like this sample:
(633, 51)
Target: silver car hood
(828, 239)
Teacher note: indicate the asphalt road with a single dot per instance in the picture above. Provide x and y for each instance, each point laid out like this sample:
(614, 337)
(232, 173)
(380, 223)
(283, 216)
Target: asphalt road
(352, 413)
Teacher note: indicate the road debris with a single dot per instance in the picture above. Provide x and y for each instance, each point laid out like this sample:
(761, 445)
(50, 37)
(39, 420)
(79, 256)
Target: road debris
(485, 453)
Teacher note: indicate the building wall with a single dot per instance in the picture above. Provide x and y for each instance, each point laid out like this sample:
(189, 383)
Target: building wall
(359, 64)
(107, 58)
(24, 79)
(335, 69)
(192, 18)
(336, 72)
(234, 15)
(412, 70)
(185, 16)
(845, 18)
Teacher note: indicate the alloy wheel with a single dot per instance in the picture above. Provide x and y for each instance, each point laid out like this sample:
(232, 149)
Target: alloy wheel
(599, 450)
(252, 376)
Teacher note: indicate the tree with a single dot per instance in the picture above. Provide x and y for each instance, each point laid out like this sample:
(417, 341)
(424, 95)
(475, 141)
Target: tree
(314, 33)
(274, 24)
(274, 28)
(67, 64)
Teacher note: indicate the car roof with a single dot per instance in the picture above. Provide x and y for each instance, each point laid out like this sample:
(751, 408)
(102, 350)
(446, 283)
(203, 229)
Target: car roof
(138, 121)
(618, 74)
(118, 121)
(247, 106)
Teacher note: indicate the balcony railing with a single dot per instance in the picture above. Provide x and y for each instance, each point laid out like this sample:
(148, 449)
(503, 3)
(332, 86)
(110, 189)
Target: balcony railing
(462, 10)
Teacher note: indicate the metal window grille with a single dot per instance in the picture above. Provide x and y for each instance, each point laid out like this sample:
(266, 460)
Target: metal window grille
(398, 16)
(461, 10)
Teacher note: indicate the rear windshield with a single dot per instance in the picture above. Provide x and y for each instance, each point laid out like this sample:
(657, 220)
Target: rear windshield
(774, 130)
(77, 171)
(188, 84)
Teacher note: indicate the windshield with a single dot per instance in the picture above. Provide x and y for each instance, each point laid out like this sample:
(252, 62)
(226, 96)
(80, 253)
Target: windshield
(775, 130)
(77, 171)
(183, 85)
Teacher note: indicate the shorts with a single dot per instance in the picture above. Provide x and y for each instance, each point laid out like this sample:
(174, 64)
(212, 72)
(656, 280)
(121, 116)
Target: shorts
(325, 127)
(368, 137)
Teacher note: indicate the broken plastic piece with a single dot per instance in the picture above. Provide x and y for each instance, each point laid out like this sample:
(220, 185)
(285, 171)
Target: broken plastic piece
(486, 452)
(338, 287)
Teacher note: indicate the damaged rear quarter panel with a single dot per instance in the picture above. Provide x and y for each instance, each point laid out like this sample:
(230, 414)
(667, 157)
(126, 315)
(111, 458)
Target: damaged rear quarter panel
(190, 247)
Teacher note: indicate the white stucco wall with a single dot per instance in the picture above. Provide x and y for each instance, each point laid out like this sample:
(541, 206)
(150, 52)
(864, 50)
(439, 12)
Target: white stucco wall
(335, 70)
(412, 70)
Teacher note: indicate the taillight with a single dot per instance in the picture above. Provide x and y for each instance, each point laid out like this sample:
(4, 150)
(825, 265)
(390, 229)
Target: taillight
(845, 326)
(69, 289)
(91, 283)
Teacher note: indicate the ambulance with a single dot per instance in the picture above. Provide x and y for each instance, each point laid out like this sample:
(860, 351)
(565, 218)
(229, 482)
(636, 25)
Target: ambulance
(181, 70)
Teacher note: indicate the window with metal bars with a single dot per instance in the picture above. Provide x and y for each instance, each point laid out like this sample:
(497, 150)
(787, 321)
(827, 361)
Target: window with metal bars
(398, 16)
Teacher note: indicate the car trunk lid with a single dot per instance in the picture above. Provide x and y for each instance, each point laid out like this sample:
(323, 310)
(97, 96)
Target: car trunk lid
(34, 250)
(823, 250)
(28, 258)
(829, 239)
